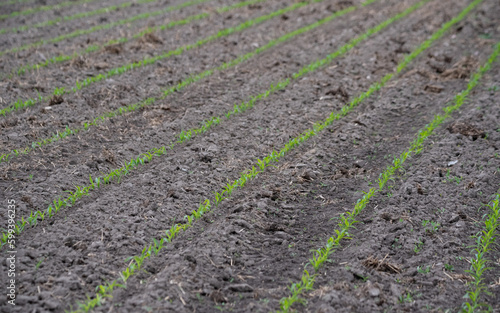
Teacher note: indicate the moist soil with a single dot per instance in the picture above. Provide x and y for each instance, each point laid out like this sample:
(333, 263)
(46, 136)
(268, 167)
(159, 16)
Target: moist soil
(243, 255)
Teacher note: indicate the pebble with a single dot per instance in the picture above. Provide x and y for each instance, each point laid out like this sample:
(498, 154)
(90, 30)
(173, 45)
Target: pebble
(240, 288)
(374, 292)
(454, 218)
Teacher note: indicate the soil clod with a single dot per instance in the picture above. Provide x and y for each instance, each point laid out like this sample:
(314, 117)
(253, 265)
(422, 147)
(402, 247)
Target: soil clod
(466, 129)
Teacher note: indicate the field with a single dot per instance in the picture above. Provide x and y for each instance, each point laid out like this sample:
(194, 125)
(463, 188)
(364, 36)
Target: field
(250, 155)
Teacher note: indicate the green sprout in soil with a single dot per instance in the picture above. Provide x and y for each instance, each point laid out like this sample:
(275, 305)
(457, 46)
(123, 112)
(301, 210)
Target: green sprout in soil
(39, 263)
(424, 270)
(407, 298)
(452, 179)
(484, 243)
(418, 246)
(430, 226)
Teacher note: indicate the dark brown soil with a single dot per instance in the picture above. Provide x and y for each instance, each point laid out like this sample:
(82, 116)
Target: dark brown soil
(242, 256)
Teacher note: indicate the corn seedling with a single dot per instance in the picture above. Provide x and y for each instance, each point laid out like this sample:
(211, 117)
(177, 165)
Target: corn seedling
(37, 266)
(150, 60)
(407, 298)
(320, 255)
(424, 270)
(418, 246)
(430, 226)
(484, 240)
(206, 125)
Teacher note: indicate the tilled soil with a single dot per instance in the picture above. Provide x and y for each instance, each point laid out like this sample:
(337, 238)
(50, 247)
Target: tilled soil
(242, 256)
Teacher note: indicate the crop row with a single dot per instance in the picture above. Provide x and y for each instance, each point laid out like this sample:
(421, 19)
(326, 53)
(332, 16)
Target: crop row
(484, 240)
(60, 91)
(10, 2)
(188, 134)
(57, 20)
(349, 218)
(105, 291)
(90, 30)
(43, 8)
(99, 47)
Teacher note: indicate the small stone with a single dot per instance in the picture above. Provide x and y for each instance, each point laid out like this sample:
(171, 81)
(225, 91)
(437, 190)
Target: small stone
(23, 300)
(282, 235)
(51, 304)
(374, 292)
(396, 290)
(240, 288)
(454, 218)
(460, 224)
(243, 224)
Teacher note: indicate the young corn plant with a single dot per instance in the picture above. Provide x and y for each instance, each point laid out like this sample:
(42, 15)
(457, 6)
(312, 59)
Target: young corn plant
(484, 241)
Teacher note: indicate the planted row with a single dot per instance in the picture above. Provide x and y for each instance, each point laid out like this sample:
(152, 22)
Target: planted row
(104, 10)
(90, 30)
(99, 47)
(349, 218)
(43, 8)
(144, 158)
(15, 1)
(484, 241)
